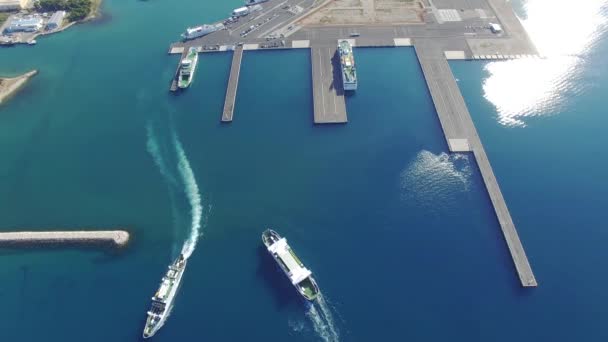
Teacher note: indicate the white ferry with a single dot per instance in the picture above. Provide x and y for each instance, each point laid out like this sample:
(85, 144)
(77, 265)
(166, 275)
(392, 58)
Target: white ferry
(347, 61)
(291, 265)
(203, 30)
(162, 302)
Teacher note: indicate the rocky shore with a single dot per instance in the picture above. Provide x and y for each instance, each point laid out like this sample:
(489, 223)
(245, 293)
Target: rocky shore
(9, 86)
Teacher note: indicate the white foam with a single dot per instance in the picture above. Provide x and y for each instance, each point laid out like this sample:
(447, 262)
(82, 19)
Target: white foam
(433, 179)
(193, 194)
(322, 320)
(155, 151)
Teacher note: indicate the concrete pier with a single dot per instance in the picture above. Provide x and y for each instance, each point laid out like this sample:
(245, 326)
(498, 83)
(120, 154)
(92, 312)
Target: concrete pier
(328, 94)
(176, 75)
(462, 136)
(233, 83)
(115, 238)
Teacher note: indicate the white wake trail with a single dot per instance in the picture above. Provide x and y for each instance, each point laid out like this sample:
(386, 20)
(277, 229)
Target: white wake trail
(193, 194)
(322, 320)
(155, 151)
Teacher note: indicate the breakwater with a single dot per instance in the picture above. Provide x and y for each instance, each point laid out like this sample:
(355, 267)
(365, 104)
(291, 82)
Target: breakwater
(114, 238)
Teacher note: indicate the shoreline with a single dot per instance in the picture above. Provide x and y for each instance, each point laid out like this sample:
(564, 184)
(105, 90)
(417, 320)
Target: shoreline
(94, 13)
(10, 86)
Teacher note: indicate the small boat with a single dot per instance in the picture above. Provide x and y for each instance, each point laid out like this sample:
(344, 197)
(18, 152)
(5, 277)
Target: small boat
(163, 300)
(300, 277)
(32, 42)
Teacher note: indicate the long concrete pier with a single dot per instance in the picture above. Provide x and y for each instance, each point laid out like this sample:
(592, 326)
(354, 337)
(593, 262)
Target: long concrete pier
(233, 83)
(462, 136)
(115, 238)
(176, 74)
(328, 94)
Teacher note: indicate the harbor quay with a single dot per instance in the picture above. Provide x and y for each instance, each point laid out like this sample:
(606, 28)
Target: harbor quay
(233, 83)
(443, 30)
(112, 238)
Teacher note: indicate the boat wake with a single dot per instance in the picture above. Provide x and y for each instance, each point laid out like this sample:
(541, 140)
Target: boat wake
(322, 320)
(179, 179)
(193, 194)
(433, 179)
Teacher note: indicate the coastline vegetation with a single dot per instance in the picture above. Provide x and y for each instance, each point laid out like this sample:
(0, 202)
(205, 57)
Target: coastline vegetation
(3, 17)
(77, 9)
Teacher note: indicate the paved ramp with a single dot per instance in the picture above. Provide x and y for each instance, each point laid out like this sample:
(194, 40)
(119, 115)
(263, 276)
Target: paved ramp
(328, 94)
(233, 83)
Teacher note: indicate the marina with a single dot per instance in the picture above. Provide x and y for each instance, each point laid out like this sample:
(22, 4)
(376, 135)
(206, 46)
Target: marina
(472, 39)
(370, 207)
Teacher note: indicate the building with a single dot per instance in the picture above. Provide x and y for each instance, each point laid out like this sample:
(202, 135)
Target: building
(14, 5)
(56, 20)
(24, 25)
(241, 11)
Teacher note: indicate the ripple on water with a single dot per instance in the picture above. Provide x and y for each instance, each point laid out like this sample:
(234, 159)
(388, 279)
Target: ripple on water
(436, 180)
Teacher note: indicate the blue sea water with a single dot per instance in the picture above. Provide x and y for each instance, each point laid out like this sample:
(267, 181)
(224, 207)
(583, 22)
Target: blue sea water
(401, 235)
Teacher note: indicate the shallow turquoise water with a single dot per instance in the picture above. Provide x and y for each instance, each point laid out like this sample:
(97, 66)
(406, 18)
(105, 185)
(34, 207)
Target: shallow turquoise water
(401, 236)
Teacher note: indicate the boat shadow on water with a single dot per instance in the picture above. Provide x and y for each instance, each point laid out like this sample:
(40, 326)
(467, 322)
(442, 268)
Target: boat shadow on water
(285, 294)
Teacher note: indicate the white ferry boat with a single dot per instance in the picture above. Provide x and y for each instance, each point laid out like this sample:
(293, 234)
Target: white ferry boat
(162, 302)
(203, 30)
(291, 265)
(347, 61)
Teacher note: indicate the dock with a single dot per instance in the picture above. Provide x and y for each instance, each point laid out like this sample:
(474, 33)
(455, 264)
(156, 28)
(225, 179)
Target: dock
(328, 93)
(114, 238)
(461, 136)
(176, 75)
(233, 83)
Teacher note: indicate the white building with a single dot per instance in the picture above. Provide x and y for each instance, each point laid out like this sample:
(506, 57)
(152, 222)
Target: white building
(24, 25)
(56, 20)
(14, 5)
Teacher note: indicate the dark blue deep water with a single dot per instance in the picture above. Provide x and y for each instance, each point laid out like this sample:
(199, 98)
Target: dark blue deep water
(400, 234)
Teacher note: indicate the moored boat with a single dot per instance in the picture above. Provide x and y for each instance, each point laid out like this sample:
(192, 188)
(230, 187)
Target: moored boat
(347, 62)
(202, 30)
(300, 277)
(163, 299)
(187, 68)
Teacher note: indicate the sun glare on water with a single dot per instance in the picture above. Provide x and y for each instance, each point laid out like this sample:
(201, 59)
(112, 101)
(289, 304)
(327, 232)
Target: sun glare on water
(562, 31)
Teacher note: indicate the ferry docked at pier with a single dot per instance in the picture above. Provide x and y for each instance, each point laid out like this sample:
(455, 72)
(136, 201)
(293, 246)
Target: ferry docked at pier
(187, 67)
(347, 62)
(203, 30)
(291, 265)
(162, 302)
